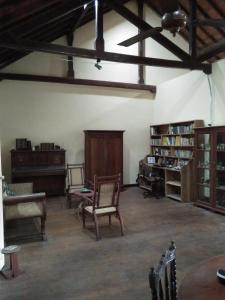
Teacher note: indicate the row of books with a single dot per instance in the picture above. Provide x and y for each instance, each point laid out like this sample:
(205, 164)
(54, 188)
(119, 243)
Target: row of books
(177, 153)
(176, 141)
(172, 129)
(171, 163)
(181, 129)
(154, 130)
(160, 151)
(156, 142)
(183, 153)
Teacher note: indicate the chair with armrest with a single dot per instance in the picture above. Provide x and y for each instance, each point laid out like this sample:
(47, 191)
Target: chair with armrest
(75, 181)
(162, 279)
(25, 204)
(105, 201)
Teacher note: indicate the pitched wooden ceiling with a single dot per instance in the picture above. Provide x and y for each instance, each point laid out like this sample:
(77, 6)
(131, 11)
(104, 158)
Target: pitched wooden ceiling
(206, 36)
(30, 25)
(40, 20)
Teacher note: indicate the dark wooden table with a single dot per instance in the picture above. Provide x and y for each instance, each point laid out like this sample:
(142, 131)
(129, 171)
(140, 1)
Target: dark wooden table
(201, 282)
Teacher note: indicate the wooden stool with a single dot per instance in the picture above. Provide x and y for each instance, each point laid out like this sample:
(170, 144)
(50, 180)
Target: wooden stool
(14, 266)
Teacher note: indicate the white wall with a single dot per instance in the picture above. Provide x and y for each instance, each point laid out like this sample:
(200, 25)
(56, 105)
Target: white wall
(57, 113)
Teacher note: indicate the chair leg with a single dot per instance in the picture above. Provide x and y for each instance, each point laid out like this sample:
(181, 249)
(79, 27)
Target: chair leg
(69, 201)
(110, 220)
(83, 218)
(121, 223)
(96, 227)
(43, 228)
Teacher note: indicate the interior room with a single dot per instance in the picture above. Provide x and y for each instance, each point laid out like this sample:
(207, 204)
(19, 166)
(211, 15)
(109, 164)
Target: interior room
(112, 135)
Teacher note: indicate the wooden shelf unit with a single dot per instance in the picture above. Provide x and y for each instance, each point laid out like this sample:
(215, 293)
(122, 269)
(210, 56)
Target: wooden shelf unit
(172, 144)
(178, 183)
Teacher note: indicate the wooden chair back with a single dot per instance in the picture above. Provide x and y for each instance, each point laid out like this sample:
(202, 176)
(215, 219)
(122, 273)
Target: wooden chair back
(162, 279)
(106, 191)
(75, 175)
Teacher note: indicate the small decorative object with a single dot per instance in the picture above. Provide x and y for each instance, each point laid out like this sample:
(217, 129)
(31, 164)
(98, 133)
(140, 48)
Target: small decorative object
(57, 147)
(37, 147)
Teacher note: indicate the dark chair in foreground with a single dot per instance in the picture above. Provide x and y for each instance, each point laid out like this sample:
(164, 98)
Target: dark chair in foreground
(105, 201)
(75, 180)
(162, 279)
(24, 205)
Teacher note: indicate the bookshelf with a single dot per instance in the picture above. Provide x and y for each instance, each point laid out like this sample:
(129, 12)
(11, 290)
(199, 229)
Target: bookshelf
(172, 145)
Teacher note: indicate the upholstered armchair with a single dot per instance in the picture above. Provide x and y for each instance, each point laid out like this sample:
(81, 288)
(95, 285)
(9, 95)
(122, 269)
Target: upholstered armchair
(23, 204)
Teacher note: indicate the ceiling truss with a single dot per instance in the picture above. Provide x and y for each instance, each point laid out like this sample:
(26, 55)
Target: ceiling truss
(35, 27)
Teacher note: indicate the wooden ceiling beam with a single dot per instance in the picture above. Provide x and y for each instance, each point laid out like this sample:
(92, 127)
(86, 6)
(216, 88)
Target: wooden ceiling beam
(99, 42)
(217, 8)
(58, 13)
(25, 45)
(142, 25)
(86, 82)
(80, 19)
(32, 13)
(211, 51)
(69, 38)
(141, 44)
(206, 15)
(48, 36)
(47, 30)
(192, 30)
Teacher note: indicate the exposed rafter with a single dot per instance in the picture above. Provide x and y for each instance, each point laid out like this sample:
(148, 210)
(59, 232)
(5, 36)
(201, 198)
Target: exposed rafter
(192, 30)
(87, 82)
(24, 45)
(99, 42)
(141, 44)
(210, 51)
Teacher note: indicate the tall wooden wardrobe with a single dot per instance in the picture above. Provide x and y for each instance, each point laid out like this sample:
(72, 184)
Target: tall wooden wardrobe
(103, 153)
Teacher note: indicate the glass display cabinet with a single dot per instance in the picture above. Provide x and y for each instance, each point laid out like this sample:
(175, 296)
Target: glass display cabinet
(210, 167)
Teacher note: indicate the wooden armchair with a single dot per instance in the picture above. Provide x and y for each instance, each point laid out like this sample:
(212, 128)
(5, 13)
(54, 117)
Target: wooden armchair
(162, 279)
(105, 201)
(25, 204)
(75, 181)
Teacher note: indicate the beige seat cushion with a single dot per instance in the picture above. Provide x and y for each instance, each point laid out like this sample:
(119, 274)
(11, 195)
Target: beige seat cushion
(99, 211)
(22, 210)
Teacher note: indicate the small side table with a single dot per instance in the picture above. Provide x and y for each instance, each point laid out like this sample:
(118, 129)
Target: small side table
(14, 266)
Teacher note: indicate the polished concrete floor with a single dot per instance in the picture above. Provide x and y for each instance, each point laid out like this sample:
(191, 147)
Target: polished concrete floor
(72, 265)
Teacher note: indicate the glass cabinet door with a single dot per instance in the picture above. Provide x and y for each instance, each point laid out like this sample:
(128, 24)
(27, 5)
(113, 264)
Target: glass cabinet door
(203, 161)
(220, 170)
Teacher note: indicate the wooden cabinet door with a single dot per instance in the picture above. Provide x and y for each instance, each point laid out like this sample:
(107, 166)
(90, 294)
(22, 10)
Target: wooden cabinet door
(94, 155)
(114, 154)
(103, 153)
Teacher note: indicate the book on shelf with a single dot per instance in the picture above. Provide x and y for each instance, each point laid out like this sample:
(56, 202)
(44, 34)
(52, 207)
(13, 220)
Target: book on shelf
(181, 129)
(183, 153)
(155, 142)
